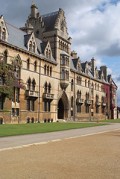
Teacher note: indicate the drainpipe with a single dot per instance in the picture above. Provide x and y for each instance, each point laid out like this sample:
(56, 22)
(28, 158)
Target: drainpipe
(39, 93)
(74, 106)
(90, 100)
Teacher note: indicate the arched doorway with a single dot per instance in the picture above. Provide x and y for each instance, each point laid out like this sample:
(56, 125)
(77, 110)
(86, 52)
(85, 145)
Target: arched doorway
(60, 109)
(63, 107)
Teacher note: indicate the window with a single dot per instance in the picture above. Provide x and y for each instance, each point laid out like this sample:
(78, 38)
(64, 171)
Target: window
(72, 102)
(35, 66)
(72, 84)
(29, 84)
(47, 106)
(33, 85)
(50, 71)
(79, 94)
(49, 55)
(45, 69)
(5, 56)
(30, 46)
(89, 84)
(30, 105)
(28, 64)
(49, 88)
(1, 102)
(17, 95)
(67, 75)
(63, 74)
(79, 80)
(4, 34)
(85, 83)
(45, 88)
(33, 46)
(79, 108)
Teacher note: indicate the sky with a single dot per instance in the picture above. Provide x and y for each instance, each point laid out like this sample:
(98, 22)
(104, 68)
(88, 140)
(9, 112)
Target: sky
(94, 26)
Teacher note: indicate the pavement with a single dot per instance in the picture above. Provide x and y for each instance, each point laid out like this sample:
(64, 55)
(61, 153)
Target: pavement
(90, 153)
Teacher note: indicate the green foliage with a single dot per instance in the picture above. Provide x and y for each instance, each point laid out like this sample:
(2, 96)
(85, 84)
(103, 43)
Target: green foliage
(7, 75)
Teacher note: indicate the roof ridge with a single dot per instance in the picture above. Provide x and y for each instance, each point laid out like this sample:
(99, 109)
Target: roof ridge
(49, 14)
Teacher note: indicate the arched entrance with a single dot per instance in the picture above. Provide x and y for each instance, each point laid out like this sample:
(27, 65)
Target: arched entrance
(63, 107)
(60, 109)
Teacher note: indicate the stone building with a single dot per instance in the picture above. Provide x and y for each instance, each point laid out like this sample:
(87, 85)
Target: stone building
(57, 84)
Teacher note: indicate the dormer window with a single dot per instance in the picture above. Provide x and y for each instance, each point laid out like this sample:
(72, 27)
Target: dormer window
(32, 46)
(3, 34)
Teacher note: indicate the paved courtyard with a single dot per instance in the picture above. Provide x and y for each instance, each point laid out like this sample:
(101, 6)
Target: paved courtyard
(88, 157)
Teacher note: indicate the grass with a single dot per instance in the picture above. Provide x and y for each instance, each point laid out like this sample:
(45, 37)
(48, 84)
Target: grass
(24, 129)
(111, 121)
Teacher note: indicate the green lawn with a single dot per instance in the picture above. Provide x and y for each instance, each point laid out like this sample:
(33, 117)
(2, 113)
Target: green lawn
(23, 129)
(111, 121)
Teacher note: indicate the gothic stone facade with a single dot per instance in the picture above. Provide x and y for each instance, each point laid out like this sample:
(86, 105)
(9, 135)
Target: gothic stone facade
(57, 85)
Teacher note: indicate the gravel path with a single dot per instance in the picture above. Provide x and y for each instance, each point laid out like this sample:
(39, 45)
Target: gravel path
(90, 157)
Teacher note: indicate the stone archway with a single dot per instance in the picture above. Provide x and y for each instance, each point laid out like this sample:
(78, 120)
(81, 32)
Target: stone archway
(63, 107)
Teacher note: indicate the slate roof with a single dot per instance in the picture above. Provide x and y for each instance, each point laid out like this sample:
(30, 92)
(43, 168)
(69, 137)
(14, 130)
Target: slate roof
(49, 20)
(16, 36)
(19, 38)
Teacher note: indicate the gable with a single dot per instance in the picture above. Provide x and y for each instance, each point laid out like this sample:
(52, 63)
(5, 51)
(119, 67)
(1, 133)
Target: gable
(61, 24)
(30, 42)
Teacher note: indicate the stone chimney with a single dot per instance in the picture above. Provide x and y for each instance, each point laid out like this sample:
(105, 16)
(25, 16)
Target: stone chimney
(93, 67)
(104, 70)
(74, 54)
(34, 11)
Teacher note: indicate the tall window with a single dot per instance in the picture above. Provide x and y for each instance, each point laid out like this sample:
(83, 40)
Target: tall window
(5, 56)
(47, 70)
(72, 85)
(72, 102)
(45, 88)
(63, 74)
(45, 67)
(50, 71)
(33, 85)
(30, 105)
(97, 106)
(49, 88)
(47, 106)
(29, 84)
(28, 64)
(35, 66)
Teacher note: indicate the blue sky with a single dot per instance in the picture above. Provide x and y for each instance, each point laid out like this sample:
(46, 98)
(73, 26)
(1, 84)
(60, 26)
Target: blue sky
(94, 26)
